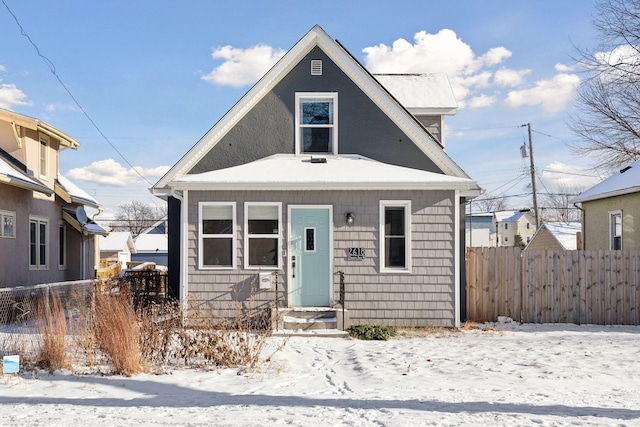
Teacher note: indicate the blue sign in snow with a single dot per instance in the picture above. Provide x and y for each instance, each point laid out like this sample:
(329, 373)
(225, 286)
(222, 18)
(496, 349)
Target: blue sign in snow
(10, 364)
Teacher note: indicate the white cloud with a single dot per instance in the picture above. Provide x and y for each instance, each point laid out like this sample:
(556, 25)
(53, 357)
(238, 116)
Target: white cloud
(563, 68)
(242, 66)
(110, 172)
(562, 177)
(481, 101)
(3, 68)
(444, 52)
(10, 95)
(553, 95)
(509, 77)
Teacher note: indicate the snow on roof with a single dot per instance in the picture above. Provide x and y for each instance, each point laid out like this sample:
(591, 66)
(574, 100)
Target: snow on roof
(151, 243)
(624, 182)
(508, 216)
(344, 172)
(116, 241)
(421, 93)
(564, 232)
(77, 194)
(12, 176)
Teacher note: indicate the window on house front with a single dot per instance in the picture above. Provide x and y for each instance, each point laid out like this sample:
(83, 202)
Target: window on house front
(7, 224)
(316, 123)
(217, 234)
(38, 243)
(395, 236)
(615, 226)
(263, 241)
(44, 157)
(62, 246)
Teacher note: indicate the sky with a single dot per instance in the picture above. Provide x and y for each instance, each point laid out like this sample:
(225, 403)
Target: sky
(138, 83)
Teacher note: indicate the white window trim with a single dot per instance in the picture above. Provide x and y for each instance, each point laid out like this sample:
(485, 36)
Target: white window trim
(612, 214)
(334, 97)
(62, 226)
(201, 236)
(406, 204)
(43, 174)
(4, 214)
(40, 265)
(271, 236)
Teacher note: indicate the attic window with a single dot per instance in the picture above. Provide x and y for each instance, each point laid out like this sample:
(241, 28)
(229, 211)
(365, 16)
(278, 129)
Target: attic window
(316, 123)
(316, 67)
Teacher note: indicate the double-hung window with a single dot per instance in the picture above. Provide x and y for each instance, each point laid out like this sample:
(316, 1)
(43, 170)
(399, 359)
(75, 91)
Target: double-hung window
(7, 224)
(615, 233)
(395, 236)
(263, 231)
(62, 246)
(316, 123)
(38, 243)
(217, 230)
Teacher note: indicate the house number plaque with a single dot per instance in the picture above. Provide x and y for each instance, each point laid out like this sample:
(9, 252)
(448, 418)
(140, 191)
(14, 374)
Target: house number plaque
(355, 253)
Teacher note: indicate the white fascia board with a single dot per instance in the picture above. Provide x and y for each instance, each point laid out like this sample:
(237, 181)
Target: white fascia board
(606, 195)
(465, 188)
(433, 111)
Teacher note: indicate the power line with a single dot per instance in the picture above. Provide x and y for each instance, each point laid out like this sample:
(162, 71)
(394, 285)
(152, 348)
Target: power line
(52, 68)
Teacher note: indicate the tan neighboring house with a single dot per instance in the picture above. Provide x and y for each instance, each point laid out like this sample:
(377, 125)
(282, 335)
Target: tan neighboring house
(561, 236)
(117, 247)
(511, 228)
(611, 211)
(45, 235)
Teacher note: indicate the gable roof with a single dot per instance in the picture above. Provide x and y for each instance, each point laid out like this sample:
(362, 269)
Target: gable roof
(626, 181)
(563, 232)
(71, 193)
(344, 172)
(411, 90)
(35, 124)
(353, 69)
(509, 216)
(151, 243)
(116, 241)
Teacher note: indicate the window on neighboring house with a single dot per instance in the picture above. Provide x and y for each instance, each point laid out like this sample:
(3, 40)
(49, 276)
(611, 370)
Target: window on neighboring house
(44, 156)
(316, 123)
(38, 243)
(528, 226)
(263, 241)
(506, 239)
(395, 236)
(7, 224)
(528, 239)
(217, 235)
(506, 226)
(62, 246)
(615, 226)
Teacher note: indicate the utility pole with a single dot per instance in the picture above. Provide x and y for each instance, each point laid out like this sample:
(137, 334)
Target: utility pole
(533, 177)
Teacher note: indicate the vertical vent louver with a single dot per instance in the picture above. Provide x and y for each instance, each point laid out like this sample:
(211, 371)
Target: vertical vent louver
(316, 67)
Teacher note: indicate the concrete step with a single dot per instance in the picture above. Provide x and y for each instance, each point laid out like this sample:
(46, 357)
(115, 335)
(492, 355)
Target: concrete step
(318, 321)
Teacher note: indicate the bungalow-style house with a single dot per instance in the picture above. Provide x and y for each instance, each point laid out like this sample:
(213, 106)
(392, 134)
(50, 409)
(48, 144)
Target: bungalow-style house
(513, 228)
(561, 236)
(45, 234)
(320, 170)
(117, 247)
(611, 211)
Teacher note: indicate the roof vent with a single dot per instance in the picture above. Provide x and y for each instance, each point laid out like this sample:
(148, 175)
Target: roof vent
(623, 170)
(316, 67)
(318, 160)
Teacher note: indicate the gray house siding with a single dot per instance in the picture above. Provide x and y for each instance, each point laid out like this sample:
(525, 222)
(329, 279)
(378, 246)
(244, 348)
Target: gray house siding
(425, 296)
(269, 127)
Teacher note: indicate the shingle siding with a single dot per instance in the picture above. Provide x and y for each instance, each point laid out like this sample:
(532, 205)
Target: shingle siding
(420, 298)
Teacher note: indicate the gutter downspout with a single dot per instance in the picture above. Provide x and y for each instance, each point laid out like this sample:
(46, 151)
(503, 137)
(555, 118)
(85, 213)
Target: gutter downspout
(184, 223)
(456, 257)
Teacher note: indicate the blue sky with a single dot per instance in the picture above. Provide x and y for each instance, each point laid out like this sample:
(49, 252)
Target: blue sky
(154, 76)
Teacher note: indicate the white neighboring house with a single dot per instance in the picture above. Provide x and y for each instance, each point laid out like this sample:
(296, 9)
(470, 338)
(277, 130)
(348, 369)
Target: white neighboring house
(479, 230)
(562, 236)
(117, 247)
(510, 224)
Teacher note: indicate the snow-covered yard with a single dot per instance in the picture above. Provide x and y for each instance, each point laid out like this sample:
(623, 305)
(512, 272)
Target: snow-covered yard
(549, 375)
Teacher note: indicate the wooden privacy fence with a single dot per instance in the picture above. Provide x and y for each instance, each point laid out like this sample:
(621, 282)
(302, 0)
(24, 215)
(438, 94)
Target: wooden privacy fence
(581, 287)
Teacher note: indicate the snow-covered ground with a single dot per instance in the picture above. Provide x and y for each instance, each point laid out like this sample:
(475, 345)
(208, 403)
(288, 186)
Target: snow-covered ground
(515, 375)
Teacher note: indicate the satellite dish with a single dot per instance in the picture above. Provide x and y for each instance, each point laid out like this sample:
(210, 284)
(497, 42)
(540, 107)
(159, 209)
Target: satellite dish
(81, 215)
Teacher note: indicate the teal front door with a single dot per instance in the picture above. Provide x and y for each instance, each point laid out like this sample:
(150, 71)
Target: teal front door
(309, 256)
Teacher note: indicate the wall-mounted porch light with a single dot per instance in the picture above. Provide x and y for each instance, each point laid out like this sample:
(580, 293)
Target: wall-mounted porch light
(351, 219)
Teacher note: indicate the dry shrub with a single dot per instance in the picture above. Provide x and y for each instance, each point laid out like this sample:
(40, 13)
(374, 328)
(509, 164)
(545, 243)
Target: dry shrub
(51, 324)
(117, 330)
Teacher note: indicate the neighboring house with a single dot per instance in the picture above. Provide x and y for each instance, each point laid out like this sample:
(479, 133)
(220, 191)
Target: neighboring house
(152, 244)
(317, 170)
(562, 236)
(117, 247)
(480, 230)
(513, 228)
(611, 211)
(45, 235)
